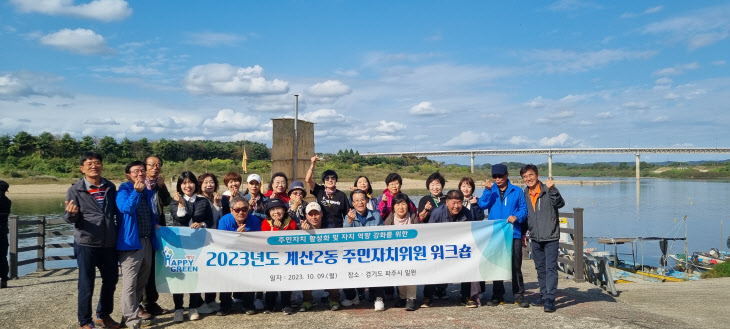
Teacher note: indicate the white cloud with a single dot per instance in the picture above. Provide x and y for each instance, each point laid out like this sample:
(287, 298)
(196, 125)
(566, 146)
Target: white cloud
(661, 118)
(347, 73)
(80, 41)
(699, 28)
(24, 84)
(323, 116)
(558, 140)
(470, 138)
(572, 5)
(663, 81)
(389, 127)
(329, 88)
(520, 140)
(536, 102)
(425, 109)
(276, 103)
(677, 69)
(437, 36)
(652, 10)
(212, 39)
(102, 10)
(562, 61)
(561, 115)
(585, 123)
(636, 105)
(129, 70)
(226, 79)
(718, 63)
(571, 99)
(229, 119)
(671, 96)
(101, 122)
(604, 115)
(379, 58)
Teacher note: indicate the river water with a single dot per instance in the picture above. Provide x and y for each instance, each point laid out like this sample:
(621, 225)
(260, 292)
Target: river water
(624, 208)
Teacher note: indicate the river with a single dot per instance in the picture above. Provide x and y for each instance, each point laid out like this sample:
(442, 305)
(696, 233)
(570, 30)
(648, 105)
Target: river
(653, 207)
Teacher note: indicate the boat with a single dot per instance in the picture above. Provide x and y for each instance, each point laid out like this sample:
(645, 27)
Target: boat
(633, 271)
(703, 261)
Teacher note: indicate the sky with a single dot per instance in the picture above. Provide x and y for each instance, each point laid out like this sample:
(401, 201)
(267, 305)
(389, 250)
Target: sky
(374, 76)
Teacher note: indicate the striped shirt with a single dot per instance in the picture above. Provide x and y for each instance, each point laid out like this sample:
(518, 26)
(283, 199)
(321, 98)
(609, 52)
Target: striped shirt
(98, 192)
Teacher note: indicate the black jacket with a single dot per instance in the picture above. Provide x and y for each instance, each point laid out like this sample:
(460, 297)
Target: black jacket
(198, 211)
(93, 226)
(543, 220)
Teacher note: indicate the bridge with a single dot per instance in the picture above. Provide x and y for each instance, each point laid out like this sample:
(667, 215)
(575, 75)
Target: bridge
(550, 152)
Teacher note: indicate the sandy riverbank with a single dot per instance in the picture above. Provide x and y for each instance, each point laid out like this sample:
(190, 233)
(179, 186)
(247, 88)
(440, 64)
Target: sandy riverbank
(48, 300)
(36, 190)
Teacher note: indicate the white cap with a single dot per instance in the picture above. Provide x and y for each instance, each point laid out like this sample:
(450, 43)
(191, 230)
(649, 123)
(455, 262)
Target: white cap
(255, 177)
(313, 206)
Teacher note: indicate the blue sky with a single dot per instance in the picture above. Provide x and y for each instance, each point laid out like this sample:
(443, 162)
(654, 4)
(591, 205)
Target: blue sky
(375, 76)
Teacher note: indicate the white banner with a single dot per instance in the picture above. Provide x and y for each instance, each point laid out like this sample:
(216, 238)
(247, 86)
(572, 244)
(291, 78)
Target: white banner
(206, 260)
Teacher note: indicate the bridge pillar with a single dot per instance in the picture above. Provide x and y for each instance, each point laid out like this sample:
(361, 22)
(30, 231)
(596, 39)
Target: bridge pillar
(550, 165)
(472, 162)
(638, 167)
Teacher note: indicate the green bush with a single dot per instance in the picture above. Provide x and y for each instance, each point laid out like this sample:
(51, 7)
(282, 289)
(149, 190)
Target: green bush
(721, 270)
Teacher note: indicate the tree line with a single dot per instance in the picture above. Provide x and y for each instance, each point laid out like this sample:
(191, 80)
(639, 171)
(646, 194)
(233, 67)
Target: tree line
(51, 154)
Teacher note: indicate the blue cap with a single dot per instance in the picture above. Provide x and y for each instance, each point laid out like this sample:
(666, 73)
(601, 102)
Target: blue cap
(499, 169)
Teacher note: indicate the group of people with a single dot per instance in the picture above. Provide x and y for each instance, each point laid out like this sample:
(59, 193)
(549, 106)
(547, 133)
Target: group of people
(116, 227)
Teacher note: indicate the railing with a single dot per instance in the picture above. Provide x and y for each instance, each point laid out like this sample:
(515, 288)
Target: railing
(576, 235)
(40, 246)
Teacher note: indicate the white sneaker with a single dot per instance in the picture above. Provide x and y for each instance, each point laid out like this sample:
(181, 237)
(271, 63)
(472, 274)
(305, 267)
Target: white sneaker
(193, 315)
(178, 316)
(204, 309)
(350, 302)
(214, 307)
(258, 304)
(379, 305)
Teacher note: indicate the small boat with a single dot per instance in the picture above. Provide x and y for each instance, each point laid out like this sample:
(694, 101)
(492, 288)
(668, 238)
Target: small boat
(702, 261)
(632, 271)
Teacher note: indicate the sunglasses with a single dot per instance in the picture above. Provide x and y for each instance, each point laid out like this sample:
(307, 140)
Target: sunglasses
(239, 209)
(497, 176)
(330, 178)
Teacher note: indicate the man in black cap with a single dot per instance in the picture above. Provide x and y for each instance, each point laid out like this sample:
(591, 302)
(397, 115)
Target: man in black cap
(4, 214)
(506, 201)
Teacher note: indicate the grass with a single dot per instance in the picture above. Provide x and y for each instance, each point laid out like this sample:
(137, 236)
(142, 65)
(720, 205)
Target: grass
(721, 270)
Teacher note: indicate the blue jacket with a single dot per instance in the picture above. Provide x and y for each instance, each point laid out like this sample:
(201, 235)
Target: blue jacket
(228, 223)
(513, 205)
(371, 219)
(127, 231)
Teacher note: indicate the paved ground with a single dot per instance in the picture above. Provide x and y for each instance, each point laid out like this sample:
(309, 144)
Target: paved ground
(48, 300)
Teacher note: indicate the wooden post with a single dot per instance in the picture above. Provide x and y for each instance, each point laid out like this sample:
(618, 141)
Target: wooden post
(41, 252)
(578, 245)
(13, 247)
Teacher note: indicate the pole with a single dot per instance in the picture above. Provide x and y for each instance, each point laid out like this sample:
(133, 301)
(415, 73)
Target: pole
(13, 247)
(41, 252)
(638, 167)
(550, 164)
(472, 162)
(296, 134)
(686, 255)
